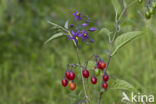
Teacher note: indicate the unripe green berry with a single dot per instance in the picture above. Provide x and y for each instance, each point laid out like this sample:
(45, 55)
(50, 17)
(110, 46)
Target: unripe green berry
(147, 15)
(97, 72)
(140, 1)
(151, 11)
(153, 5)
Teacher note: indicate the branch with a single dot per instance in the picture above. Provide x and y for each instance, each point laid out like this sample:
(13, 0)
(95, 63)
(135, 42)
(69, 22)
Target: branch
(111, 43)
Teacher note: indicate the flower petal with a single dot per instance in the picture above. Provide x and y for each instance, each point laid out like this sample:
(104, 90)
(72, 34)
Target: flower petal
(71, 25)
(69, 37)
(92, 29)
(73, 33)
(84, 25)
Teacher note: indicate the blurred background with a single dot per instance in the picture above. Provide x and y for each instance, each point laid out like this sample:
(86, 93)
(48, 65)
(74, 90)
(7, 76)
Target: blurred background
(31, 73)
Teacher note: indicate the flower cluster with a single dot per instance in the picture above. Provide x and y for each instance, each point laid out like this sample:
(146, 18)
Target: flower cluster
(82, 30)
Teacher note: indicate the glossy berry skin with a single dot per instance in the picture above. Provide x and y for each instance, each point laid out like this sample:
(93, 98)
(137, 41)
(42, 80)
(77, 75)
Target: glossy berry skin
(97, 72)
(64, 82)
(94, 80)
(147, 15)
(67, 74)
(72, 86)
(101, 65)
(105, 77)
(105, 85)
(85, 73)
(72, 75)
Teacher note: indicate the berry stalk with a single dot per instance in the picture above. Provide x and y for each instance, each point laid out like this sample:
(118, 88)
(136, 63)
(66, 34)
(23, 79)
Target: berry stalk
(83, 84)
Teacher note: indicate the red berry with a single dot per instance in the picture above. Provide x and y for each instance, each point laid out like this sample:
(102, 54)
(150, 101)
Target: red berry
(67, 74)
(105, 77)
(105, 85)
(101, 65)
(72, 86)
(94, 80)
(85, 73)
(71, 75)
(64, 82)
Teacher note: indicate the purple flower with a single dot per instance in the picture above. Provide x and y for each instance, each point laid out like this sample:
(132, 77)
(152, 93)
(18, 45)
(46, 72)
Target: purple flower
(84, 35)
(71, 25)
(92, 29)
(84, 25)
(75, 36)
(77, 15)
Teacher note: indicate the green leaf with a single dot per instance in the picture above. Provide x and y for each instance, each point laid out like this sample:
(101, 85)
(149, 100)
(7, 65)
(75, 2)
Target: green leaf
(122, 85)
(116, 6)
(57, 35)
(56, 25)
(66, 24)
(124, 39)
(105, 31)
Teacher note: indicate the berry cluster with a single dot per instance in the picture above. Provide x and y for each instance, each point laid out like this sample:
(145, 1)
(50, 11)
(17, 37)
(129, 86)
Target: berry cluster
(101, 66)
(70, 75)
(105, 79)
(150, 8)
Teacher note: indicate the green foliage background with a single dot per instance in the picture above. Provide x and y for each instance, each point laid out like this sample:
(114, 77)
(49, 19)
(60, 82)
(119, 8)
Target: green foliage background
(30, 73)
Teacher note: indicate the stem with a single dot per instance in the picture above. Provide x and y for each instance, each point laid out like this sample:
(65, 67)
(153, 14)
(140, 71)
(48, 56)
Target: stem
(111, 43)
(108, 61)
(125, 8)
(83, 84)
(96, 56)
(77, 53)
(75, 65)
